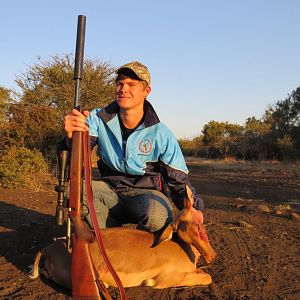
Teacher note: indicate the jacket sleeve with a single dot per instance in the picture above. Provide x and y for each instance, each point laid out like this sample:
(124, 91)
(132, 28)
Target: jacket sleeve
(177, 181)
(175, 173)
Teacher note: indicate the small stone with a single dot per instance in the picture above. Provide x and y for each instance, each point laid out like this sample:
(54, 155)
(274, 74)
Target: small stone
(263, 208)
(295, 216)
(278, 212)
(244, 224)
(240, 206)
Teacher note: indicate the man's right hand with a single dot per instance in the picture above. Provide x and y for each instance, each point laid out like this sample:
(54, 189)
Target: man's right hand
(75, 121)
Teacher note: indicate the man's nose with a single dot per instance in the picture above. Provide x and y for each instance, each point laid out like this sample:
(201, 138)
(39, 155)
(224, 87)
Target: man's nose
(124, 88)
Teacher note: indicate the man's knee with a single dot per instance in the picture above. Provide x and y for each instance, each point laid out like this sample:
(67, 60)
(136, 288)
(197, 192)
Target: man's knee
(157, 214)
(104, 198)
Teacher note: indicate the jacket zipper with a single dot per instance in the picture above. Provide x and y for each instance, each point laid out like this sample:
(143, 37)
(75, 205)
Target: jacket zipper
(124, 142)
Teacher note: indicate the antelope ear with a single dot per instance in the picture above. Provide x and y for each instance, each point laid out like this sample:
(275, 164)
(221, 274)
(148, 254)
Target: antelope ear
(162, 235)
(189, 199)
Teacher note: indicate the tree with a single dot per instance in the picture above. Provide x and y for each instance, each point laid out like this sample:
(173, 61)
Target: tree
(213, 138)
(51, 83)
(35, 118)
(191, 147)
(286, 115)
(233, 134)
(286, 125)
(221, 138)
(32, 126)
(201, 150)
(257, 139)
(5, 100)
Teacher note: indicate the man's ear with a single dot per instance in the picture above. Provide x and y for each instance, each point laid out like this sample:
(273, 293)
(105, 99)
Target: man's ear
(162, 235)
(189, 198)
(147, 90)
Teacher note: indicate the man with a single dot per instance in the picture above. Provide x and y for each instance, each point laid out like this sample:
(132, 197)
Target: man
(138, 156)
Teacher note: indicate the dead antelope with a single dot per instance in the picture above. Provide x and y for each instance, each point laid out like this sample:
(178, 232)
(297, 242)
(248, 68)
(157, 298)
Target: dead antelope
(168, 259)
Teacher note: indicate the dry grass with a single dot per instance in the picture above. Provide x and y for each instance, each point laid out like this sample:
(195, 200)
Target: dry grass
(243, 165)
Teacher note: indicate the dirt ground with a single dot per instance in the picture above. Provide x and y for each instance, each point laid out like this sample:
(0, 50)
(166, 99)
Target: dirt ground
(252, 219)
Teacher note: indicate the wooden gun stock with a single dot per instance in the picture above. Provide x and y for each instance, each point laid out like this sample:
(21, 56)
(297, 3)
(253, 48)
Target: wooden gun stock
(76, 168)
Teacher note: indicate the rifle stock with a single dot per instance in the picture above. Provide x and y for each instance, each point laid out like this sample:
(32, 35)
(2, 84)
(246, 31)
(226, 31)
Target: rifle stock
(76, 166)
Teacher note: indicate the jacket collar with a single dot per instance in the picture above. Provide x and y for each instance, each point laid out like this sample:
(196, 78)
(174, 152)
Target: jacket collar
(110, 111)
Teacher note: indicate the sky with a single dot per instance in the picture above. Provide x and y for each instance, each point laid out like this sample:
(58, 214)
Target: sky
(222, 60)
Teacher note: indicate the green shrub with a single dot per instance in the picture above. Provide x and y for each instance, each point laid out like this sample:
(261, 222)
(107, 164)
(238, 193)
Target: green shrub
(22, 167)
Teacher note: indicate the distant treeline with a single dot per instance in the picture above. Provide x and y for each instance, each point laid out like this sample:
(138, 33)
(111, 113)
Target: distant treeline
(31, 120)
(276, 136)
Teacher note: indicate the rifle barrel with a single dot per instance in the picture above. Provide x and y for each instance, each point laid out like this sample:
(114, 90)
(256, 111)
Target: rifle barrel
(78, 68)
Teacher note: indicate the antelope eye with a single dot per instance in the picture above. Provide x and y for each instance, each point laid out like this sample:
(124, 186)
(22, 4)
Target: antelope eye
(183, 225)
(198, 226)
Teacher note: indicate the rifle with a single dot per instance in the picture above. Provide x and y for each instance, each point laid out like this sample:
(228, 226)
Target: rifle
(85, 280)
(83, 276)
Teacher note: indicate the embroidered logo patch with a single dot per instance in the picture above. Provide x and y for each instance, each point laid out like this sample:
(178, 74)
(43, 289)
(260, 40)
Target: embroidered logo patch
(145, 146)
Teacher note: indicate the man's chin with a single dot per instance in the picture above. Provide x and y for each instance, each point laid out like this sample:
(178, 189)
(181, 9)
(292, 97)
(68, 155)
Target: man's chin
(123, 102)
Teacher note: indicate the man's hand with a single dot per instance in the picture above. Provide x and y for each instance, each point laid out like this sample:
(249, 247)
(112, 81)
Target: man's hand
(75, 121)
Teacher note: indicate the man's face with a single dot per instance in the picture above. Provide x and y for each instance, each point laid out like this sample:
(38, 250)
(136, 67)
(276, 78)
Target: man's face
(131, 93)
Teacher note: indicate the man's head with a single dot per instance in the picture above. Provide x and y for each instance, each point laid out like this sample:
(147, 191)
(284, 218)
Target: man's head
(132, 85)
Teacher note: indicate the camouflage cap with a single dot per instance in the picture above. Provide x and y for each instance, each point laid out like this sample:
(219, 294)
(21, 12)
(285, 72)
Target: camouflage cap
(139, 69)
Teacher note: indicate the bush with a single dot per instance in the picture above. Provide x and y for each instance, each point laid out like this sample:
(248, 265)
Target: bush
(23, 167)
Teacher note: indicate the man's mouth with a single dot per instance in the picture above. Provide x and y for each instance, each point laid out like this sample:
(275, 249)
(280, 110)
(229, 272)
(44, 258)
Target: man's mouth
(123, 98)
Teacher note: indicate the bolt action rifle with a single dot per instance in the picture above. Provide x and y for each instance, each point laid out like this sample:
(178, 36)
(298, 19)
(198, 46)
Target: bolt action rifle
(83, 276)
(85, 280)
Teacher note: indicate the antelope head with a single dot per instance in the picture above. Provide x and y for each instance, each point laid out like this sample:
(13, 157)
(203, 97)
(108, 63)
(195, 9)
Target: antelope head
(188, 225)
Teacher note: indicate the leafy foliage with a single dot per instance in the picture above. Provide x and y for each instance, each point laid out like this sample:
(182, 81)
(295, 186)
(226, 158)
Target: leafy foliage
(51, 83)
(189, 147)
(275, 136)
(5, 102)
(286, 114)
(256, 143)
(220, 138)
(5, 99)
(46, 93)
(33, 119)
(286, 124)
(20, 166)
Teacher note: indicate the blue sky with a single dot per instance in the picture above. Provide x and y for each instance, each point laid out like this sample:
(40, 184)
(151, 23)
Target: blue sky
(209, 60)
